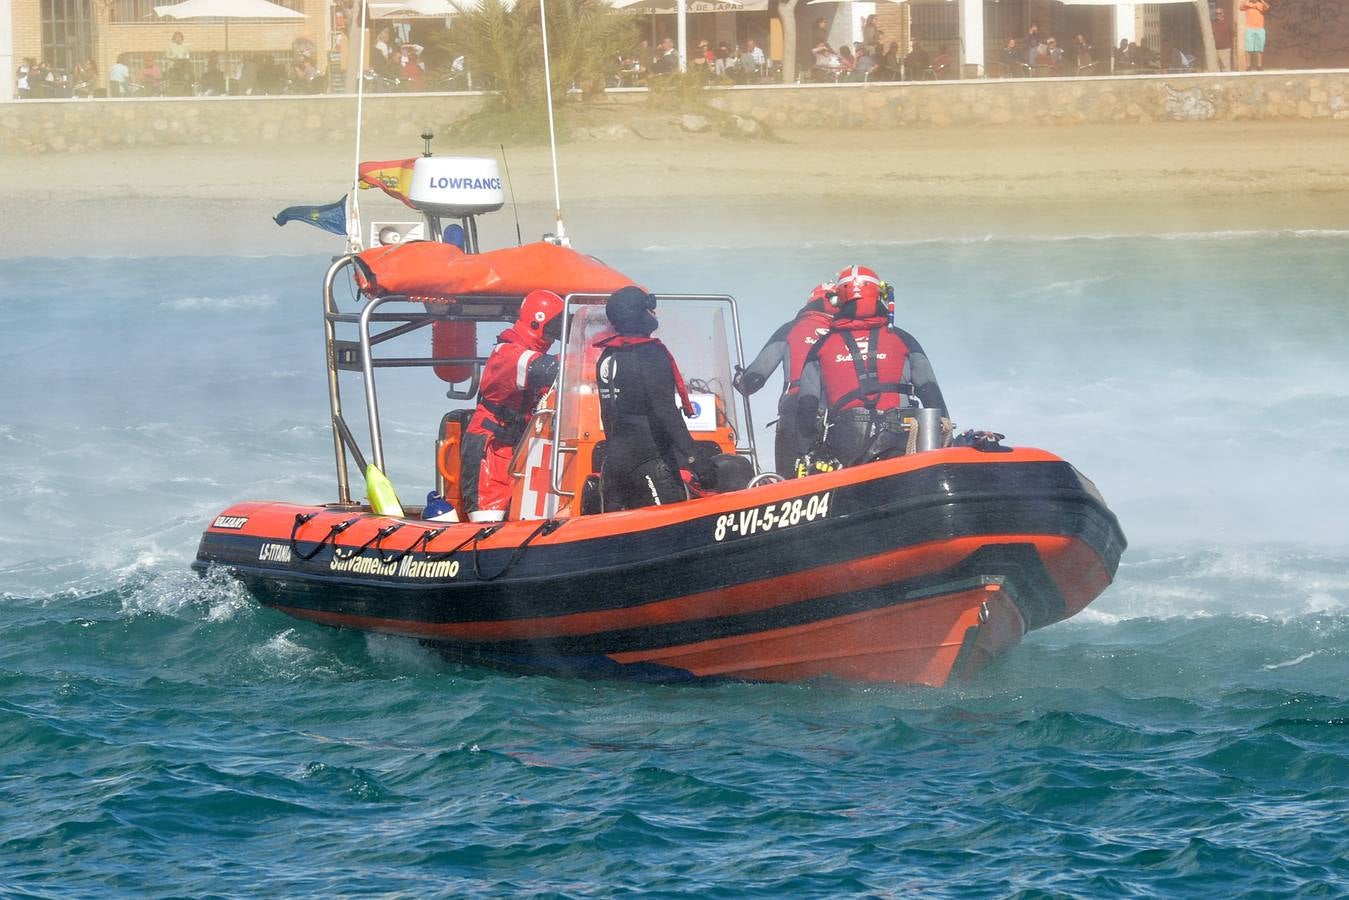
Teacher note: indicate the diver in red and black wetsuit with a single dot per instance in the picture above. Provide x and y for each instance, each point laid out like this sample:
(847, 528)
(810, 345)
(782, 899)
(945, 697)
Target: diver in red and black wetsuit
(789, 346)
(647, 443)
(866, 370)
(517, 374)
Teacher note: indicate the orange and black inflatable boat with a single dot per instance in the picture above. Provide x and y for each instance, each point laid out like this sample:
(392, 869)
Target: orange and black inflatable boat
(917, 569)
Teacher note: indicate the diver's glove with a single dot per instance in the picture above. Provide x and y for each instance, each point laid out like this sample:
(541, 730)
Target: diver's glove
(747, 382)
(704, 469)
(987, 441)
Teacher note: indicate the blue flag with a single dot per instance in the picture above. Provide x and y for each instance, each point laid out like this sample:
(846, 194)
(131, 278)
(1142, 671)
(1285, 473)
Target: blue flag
(331, 217)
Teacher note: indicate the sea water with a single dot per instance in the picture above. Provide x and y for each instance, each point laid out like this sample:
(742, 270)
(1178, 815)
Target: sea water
(1188, 734)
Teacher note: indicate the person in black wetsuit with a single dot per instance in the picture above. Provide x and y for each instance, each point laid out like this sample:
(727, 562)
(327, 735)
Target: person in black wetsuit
(647, 442)
(789, 347)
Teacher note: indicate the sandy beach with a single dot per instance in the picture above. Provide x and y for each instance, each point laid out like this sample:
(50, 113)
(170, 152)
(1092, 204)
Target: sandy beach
(899, 184)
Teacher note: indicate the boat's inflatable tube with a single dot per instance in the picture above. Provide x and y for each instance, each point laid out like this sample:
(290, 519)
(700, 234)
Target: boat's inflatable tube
(426, 270)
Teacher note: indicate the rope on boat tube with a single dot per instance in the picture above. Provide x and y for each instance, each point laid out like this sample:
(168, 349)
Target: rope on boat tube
(476, 536)
(548, 526)
(379, 540)
(333, 531)
(378, 536)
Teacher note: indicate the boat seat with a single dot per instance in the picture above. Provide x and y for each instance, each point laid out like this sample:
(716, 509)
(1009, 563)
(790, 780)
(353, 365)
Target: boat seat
(452, 427)
(733, 472)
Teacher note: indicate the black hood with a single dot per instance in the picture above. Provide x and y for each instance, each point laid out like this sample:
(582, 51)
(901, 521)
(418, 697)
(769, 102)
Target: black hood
(629, 311)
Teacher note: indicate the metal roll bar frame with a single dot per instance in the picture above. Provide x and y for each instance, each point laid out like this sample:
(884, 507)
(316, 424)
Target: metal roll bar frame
(344, 356)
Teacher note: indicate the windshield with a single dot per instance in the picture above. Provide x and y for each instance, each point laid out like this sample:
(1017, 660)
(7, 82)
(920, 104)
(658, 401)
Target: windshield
(698, 332)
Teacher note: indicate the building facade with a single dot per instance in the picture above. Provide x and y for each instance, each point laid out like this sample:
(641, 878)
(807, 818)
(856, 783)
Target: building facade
(65, 33)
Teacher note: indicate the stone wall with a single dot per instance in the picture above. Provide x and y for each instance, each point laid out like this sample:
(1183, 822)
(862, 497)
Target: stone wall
(1050, 101)
(28, 126)
(61, 125)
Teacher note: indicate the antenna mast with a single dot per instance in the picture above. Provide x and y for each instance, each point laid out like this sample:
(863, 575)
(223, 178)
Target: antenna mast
(561, 233)
(354, 212)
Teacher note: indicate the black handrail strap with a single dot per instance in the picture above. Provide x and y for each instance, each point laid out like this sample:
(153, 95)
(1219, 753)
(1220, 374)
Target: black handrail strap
(548, 526)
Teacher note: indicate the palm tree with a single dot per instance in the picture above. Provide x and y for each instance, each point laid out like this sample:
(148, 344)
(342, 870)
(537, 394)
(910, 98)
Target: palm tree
(502, 47)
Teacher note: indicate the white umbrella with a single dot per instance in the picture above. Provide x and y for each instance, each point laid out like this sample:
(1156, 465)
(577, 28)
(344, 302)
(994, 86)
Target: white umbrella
(669, 5)
(414, 9)
(816, 2)
(424, 9)
(691, 6)
(227, 9)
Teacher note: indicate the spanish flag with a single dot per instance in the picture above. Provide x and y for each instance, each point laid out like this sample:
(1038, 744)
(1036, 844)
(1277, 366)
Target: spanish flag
(393, 177)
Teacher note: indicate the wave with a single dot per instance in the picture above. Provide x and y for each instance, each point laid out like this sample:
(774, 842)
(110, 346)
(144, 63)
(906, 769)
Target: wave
(991, 238)
(220, 304)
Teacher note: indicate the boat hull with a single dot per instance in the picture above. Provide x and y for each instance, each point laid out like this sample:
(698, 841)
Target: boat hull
(914, 570)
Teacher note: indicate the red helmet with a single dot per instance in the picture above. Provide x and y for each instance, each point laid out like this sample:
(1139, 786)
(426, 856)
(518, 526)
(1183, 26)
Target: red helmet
(538, 311)
(822, 297)
(859, 293)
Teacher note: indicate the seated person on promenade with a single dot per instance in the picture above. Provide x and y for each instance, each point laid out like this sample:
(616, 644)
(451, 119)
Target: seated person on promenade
(753, 63)
(411, 70)
(631, 70)
(246, 78)
(151, 77)
(866, 66)
(1082, 51)
(667, 60)
(846, 62)
(827, 64)
(1012, 59)
(1045, 60)
(83, 78)
(703, 59)
(381, 57)
(272, 76)
(1123, 58)
(889, 64)
(724, 59)
(917, 64)
(303, 74)
(213, 79)
(942, 66)
(1144, 57)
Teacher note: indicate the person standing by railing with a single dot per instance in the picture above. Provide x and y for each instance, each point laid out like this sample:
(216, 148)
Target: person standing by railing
(1255, 31)
(118, 76)
(1222, 39)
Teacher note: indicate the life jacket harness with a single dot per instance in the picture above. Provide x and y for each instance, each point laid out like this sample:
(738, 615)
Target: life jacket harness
(632, 340)
(797, 364)
(506, 424)
(869, 385)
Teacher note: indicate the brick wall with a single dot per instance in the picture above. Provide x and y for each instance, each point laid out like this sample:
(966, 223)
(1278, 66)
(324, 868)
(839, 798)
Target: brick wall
(27, 23)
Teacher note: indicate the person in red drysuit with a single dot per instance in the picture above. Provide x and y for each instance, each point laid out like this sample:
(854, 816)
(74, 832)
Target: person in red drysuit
(518, 373)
